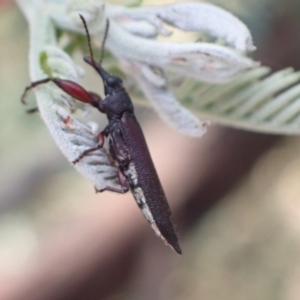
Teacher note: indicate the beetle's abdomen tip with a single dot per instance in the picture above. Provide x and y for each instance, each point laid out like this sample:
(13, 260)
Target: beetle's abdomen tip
(176, 247)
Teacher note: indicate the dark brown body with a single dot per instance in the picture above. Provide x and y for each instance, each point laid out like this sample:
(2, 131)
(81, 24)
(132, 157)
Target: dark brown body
(127, 146)
(147, 180)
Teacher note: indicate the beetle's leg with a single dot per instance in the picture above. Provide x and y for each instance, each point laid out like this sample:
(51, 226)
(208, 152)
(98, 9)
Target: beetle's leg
(33, 85)
(122, 180)
(111, 189)
(71, 88)
(111, 150)
(118, 148)
(123, 183)
(99, 145)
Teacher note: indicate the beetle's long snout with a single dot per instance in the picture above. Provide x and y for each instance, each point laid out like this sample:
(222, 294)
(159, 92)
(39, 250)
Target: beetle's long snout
(104, 75)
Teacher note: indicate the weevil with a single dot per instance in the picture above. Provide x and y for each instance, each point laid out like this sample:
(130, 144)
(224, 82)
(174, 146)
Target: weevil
(126, 144)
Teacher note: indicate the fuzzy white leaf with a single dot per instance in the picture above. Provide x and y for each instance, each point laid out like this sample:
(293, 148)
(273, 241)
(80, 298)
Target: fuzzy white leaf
(72, 136)
(145, 23)
(190, 16)
(139, 28)
(155, 88)
(210, 19)
(253, 101)
(207, 62)
(65, 13)
(204, 61)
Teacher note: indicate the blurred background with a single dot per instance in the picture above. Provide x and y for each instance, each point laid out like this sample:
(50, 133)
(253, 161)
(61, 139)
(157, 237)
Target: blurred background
(235, 196)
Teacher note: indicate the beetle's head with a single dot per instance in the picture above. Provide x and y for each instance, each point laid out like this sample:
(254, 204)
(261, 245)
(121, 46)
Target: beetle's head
(117, 100)
(111, 83)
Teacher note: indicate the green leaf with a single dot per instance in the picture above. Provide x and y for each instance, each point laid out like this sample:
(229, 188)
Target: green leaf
(256, 100)
(132, 3)
(44, 64)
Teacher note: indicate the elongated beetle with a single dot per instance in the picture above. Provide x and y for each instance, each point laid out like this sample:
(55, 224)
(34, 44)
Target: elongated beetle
(127, 145)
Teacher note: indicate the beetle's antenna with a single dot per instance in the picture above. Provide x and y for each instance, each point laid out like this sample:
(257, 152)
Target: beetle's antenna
(88, 36)
(104, 40)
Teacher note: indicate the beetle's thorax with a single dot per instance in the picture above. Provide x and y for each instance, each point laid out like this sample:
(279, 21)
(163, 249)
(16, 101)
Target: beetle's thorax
(116, 103)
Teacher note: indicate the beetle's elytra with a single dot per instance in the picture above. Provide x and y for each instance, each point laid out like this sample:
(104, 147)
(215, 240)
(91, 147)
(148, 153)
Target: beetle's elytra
(127, 146)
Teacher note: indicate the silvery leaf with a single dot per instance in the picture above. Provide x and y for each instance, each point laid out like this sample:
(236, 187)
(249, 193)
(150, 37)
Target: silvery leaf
(191, 16)
(71, 136)
(155, 88)
(204, 61)
(257, 100)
